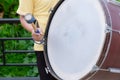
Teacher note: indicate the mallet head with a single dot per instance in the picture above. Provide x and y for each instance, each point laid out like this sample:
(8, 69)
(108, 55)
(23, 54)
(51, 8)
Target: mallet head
(30, 18)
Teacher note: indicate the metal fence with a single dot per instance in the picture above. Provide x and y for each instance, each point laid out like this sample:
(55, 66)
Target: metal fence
(4, 51)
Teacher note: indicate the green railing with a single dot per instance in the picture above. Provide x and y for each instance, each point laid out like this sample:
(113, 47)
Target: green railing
(4, 51)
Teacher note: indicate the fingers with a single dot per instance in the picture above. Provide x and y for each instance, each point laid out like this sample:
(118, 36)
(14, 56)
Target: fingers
(37, 36)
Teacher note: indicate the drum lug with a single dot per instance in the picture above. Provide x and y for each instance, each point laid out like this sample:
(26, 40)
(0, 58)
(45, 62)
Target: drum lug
(114, 70)
(47, 69)
(51, 10)
(108, 29)
(94, 69)
(42, 41)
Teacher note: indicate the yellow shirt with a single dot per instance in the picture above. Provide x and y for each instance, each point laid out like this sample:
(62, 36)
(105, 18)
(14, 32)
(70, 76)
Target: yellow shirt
(40, 10)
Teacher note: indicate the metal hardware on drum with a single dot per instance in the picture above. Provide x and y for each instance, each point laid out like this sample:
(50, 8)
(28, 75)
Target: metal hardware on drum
(112, 70)
(47, 70)
(51, 10)
(109, 29)
(95, 68)
(116, 31)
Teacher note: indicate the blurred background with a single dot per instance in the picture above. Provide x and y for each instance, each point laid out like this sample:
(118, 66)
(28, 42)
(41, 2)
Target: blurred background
(17, 58)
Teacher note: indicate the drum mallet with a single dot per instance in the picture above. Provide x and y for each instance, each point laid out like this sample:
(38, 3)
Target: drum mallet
(31, 20)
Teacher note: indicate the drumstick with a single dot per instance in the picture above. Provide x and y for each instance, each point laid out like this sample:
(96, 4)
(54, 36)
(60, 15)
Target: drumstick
(31, 20)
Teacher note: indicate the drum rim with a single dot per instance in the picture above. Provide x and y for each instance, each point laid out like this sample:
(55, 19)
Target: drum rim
(109, 33)
(46, 39)
(106, 48)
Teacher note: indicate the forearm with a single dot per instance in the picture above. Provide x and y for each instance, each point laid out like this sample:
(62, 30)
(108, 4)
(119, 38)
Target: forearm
(27, 26)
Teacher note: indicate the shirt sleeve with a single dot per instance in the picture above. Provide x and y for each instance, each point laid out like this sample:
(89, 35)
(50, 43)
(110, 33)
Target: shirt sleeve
(25, 6)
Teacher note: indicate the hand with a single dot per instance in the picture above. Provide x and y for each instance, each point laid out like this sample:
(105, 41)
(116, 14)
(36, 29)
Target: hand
(37, 36)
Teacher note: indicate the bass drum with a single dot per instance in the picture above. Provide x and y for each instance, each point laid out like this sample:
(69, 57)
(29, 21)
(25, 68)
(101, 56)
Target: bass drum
(82, 40)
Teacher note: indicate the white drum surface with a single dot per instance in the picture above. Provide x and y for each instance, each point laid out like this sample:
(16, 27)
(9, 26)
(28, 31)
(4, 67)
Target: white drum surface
(76, 38)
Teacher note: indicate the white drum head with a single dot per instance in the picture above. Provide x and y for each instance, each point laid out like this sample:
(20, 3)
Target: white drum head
(75, 38)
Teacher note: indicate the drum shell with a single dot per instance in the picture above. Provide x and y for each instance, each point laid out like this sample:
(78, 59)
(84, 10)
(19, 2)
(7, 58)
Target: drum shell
(112, 58)
(113, 55)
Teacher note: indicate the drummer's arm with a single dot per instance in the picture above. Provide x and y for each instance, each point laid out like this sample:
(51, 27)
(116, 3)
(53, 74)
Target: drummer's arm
(29, 28)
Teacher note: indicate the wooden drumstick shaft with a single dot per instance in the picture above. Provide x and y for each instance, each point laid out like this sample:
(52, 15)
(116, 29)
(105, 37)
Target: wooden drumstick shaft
(31, 20)
(34, 27)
